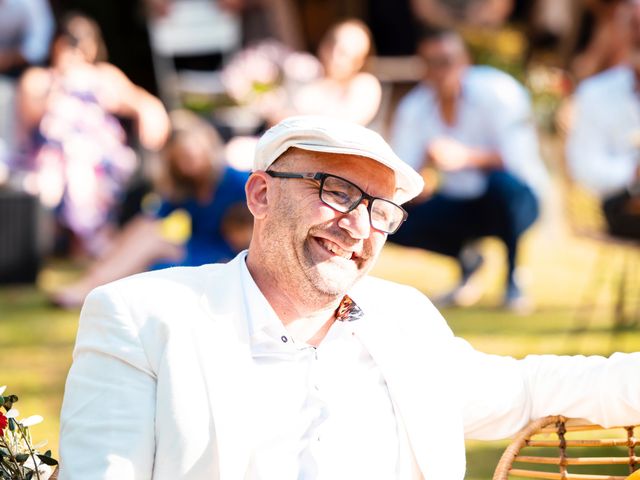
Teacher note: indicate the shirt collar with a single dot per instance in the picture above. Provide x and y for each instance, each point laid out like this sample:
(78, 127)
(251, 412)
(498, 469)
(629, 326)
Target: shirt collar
(261, 315)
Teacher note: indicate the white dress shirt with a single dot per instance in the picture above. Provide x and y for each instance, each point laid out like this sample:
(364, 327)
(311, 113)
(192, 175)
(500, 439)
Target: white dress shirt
(494, 112)
(603, 145)
(326, 411)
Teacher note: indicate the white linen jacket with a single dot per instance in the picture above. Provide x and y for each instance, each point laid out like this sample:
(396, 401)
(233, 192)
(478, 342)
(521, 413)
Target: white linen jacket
(161, 383)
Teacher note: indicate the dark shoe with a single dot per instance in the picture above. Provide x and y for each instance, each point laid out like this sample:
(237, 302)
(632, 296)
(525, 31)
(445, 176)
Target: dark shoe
(467, 292)
(470, 260)
(464, 295)
(516, 301)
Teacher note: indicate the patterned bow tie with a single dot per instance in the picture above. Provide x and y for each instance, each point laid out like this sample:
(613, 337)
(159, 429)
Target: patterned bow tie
(348, 311)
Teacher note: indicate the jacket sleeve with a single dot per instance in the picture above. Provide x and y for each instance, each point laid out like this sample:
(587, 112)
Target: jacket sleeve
(504, 394)
(108, 412)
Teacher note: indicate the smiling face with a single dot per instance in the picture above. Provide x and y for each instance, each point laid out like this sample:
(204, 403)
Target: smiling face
(308, 247)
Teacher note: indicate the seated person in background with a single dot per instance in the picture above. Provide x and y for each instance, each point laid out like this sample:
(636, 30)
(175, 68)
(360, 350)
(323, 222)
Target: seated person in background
(603, 147)
(339, 88)
(345, 91)
(237, 227)
(336, 86)
(470, 129)
(197, 190)
(79, 161)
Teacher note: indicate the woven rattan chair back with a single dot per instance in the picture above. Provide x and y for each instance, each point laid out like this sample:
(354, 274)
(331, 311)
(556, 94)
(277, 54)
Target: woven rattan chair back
(557, 445)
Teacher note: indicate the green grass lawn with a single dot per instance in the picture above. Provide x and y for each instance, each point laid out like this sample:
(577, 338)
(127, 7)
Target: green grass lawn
(36, 340)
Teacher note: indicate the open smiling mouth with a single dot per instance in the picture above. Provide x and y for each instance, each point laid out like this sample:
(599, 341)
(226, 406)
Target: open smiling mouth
(335, 249)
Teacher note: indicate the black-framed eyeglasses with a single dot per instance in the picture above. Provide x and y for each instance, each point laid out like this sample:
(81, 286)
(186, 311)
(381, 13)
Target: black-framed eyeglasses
(344, 196)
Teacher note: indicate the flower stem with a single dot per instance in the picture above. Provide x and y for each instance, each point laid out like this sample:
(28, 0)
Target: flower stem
(22, 431)
(18, 468)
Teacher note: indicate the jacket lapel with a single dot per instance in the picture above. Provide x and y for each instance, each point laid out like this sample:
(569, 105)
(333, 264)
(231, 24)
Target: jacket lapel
(417, 380)
(227, 366)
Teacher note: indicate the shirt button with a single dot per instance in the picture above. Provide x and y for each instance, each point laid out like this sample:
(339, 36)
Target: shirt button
(284, 339)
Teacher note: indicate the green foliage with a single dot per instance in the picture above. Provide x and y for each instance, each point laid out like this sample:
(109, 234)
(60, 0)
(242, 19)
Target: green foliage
(19, 459)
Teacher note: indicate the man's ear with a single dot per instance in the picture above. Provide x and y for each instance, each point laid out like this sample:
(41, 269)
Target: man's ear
(256, 191)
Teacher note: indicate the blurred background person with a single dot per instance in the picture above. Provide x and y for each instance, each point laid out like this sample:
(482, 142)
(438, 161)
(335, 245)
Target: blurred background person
(470, 130)
(79, 160)
(276, 82)
(336, 86)
(345, 91)
(237, 227)
(602, 42)
(26, 28)
(200, 218)
(603, 147)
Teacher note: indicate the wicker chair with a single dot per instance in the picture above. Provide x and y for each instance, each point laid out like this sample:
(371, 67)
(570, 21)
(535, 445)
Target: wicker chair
(557, 449)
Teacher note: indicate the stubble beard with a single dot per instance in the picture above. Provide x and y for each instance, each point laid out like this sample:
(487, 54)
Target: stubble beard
(293, 265)
(294, 269)
(328, 279)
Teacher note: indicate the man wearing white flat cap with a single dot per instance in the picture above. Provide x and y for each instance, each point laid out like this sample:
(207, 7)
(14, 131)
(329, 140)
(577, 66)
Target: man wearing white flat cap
(289, 362)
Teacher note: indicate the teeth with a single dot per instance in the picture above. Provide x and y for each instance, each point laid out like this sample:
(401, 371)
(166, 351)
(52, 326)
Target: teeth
(336, 250)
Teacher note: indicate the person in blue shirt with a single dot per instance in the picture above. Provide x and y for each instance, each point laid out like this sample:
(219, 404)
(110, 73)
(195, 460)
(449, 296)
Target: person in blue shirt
(184, 223)
(469, 130)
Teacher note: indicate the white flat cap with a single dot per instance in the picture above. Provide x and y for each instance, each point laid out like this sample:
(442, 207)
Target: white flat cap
(326, 134)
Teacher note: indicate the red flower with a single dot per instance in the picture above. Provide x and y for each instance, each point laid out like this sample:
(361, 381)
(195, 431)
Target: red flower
(3, 422)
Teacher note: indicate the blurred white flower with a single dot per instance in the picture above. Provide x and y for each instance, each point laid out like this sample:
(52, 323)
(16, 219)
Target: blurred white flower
(32, 420)
(12, 413)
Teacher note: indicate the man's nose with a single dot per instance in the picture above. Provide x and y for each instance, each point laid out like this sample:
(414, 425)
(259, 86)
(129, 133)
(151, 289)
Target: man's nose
(357, 221)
